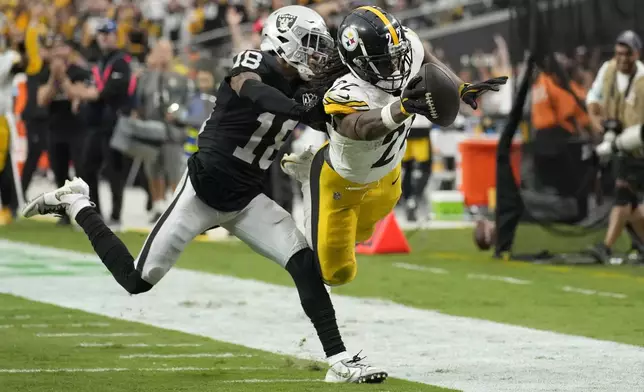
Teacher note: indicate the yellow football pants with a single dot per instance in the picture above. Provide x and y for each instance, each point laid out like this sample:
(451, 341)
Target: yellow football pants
(344, 213)
(418, 149)
(4, 142)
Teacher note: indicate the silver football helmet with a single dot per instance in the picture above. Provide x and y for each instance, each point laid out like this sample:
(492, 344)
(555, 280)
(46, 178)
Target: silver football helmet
(299, 36)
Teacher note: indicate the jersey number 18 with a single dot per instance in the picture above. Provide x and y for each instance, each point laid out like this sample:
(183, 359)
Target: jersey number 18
(263, 143)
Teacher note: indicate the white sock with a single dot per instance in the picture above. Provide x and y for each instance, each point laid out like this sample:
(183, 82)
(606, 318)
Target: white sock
(306, 206)
(332, 360)
(159, 206)
(76, 203)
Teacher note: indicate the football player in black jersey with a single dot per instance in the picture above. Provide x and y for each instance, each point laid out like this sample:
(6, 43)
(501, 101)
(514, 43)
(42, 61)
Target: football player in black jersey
(255, 112)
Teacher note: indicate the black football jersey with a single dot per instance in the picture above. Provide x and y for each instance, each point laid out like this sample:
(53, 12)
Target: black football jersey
(238, 143)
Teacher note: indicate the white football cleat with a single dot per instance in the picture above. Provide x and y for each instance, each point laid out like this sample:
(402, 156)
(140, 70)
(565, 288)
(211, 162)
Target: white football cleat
(353, 370)
(58, 201)
(298, 166)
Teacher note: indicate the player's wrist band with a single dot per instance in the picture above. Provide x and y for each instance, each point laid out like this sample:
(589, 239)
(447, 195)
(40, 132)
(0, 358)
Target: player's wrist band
(403, 110)
(462, 88)
(388, 119)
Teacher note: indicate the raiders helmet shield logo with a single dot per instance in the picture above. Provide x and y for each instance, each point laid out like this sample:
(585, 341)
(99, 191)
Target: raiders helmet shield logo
(309, 99)
(285, 22)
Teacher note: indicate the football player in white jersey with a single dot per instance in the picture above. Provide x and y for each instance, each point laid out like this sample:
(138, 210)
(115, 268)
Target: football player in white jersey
(353, 181)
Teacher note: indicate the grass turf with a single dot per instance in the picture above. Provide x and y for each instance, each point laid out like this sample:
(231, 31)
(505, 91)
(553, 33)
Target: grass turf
(444, 273)
(21, 347)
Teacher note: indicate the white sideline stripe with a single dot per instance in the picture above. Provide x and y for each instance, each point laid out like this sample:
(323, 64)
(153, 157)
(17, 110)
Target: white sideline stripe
(197, 355)
(105, 370)
(506, 279)
(111, 344)
(89, 334)
(570, 289)
(16, 317)
(4, 326)
(416, 267)
(461, 353)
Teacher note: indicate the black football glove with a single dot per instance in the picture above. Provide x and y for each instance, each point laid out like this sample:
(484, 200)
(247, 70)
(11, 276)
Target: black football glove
(412, 100)
(471, 92)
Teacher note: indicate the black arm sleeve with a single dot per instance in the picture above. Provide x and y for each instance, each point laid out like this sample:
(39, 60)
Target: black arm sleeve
(270, 99)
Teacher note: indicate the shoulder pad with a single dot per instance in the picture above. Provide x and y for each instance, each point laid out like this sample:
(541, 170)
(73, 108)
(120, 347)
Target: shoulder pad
(410, 32)
(345, 98)
(250, 61)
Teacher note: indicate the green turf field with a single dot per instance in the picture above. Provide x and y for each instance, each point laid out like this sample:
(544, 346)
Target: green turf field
(31, 361)
(443, 273)
(542, 303)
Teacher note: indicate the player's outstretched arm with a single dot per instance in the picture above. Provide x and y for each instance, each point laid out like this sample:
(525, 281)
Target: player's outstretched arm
(266, 98)
(469, 92)
(376, 123)
(372, 124)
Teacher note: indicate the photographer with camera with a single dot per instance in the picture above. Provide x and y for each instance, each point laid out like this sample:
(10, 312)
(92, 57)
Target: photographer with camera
(67, 126)
(163, 96)
(615, 102)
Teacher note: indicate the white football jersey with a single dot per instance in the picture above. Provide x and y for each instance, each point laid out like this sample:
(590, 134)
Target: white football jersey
(366, 161)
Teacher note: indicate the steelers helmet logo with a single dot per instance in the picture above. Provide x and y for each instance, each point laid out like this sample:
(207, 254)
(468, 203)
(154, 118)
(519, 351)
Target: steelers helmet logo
(285, 22)
(350, 39)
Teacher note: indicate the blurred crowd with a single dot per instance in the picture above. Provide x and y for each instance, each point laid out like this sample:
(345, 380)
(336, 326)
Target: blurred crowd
(100, 69)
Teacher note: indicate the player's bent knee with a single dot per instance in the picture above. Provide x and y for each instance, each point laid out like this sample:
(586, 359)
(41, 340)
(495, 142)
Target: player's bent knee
(341, 275)
(134, 284)
(154, 274)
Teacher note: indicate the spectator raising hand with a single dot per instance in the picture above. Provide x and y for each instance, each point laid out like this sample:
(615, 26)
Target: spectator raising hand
(240, 41)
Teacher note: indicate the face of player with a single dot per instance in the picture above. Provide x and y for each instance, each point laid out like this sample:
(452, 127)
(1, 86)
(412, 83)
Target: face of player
(393, 69)
(314, 52)
(626, 58)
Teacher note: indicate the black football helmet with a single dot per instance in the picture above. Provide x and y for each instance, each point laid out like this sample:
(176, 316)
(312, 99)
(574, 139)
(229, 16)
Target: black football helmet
(372, 43)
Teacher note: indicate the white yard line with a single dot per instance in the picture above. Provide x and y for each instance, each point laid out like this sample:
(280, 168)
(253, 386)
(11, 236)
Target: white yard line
(570, 289)
(197, 355)
(416, 267)
(71, 325)
(420, 345)
(135, 345)
(158, 369)
(89, 334)
(505, 279)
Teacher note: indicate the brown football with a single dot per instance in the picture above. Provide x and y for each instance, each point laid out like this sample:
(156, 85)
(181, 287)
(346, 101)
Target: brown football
(442, 94)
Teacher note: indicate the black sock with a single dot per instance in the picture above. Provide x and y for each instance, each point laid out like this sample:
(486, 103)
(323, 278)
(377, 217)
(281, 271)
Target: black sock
(407, 180)
(316, 301)
(421, 183)
(112, 251)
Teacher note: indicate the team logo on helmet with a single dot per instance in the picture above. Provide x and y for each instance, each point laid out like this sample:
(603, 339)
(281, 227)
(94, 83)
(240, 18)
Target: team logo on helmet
(285, 22)
(350, 39)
